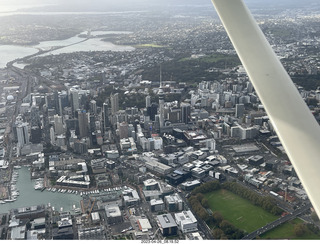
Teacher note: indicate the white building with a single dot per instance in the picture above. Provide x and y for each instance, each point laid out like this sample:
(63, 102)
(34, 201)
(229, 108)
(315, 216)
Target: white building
(186, 221)
(22, 133)
(157, 143)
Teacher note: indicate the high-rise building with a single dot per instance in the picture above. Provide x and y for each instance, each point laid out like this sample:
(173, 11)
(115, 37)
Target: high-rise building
(152, 111)
(36, 135)
(239, 110)
(52, 137)
(74, 100)
(148, 101)
(123, 130)
(92, 123)
(63, 102)
(58, 125)
(93, 107)
(114, 99)
(83, 123)
(105, 116)
(185, 113)
(22, 133)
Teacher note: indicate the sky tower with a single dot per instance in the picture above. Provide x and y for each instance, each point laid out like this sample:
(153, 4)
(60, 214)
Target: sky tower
(161, 102)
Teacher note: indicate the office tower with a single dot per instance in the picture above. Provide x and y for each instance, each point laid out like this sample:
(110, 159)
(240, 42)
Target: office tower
(36, 135)
(185, 113)
(105, 116)
(114, 99)
(239, 110)
(74, 100)
(148, 101)
(123, 130)
(49, 99)
(58, 125)
(93, 107)
(52, 137)
(34, 116)
(63, 102)
(152, 111)
(83, 124)
(22, 133)
(92, 122)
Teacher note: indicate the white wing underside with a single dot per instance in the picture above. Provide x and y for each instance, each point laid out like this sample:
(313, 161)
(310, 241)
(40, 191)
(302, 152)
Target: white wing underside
(295, 125)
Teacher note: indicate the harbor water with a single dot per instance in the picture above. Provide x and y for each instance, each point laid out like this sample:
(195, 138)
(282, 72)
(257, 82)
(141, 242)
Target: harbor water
(31, 197)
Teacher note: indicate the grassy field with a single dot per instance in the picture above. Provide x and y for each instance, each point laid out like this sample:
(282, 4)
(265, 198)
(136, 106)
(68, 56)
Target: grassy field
(286, 231)
(149, 45)
(238, 211)
(214, 58)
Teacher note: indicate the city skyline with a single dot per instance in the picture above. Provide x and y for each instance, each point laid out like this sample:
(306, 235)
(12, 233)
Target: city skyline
(136, 120)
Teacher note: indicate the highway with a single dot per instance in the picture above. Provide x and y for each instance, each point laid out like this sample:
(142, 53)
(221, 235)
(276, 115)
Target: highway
(277, 222)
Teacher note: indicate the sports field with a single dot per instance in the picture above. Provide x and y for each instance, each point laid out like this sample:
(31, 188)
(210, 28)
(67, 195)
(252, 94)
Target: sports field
(238, 211)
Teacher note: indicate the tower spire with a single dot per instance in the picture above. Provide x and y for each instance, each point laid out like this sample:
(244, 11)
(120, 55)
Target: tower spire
(160, 77)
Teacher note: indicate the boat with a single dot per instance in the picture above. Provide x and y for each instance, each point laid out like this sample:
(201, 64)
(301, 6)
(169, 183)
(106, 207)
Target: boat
(2, 202)
(10, 200)
(38, 187)
(43, 189)
(17, 167)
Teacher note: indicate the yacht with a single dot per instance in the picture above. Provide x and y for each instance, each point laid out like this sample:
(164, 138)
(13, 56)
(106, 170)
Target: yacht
(10, 200)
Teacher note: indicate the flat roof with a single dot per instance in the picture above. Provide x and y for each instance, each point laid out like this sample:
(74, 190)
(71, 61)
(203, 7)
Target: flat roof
(166, 221)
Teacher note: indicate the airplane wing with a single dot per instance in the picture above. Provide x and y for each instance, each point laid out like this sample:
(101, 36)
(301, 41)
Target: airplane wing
(295, 125)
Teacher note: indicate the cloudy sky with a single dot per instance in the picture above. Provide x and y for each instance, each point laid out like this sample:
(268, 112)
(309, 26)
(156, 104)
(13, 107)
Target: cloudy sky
(124, 5)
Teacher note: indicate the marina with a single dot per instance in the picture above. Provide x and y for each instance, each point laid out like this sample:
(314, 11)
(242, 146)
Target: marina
(23, 194)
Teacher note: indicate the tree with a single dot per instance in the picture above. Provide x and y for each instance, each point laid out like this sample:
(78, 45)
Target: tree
(217, 216)
(205, 203)
(299, 229)
(200, 196)
(217, 233)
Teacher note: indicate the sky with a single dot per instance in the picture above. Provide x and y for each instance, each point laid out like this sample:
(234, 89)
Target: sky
(125, 5)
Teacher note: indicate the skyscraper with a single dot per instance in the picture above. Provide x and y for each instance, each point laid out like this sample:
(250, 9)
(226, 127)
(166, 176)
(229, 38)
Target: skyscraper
(123, 130)
(185, 113)
(93, 107)
(22, 133)
(83, 124)
(74, 100)
(105, 116)
(58, 125)
(114, 99)
(148, 101)
(239, 110)
(63, 102)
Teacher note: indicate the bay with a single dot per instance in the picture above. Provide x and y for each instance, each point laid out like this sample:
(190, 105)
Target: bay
(74, 44)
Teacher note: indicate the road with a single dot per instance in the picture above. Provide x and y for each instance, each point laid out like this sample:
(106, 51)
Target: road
(277, 222)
